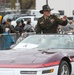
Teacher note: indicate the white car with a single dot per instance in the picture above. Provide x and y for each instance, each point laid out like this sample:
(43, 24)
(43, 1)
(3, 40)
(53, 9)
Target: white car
(40, 55)
(25, 18)
(12, 17)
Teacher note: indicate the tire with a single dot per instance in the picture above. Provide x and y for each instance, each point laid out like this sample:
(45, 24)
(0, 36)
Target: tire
(64, 68)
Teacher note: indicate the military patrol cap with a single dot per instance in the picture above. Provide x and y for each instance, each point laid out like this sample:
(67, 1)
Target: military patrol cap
(45, 8)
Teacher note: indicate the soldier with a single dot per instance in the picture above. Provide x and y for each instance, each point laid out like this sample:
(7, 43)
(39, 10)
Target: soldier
(48, 24)
(8, 25)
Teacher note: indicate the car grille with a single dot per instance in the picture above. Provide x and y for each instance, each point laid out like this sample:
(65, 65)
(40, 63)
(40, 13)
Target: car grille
(28, 72)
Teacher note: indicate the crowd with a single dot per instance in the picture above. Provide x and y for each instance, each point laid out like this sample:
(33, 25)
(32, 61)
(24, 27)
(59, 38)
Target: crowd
(20, 27)
(47, 24)
(6, 40)
(68, 29)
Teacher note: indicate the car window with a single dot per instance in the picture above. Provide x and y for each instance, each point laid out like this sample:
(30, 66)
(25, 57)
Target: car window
(20, 19)
(50, 41)
(25, 19)
(35, 18)
(8, 16)
(15, 17)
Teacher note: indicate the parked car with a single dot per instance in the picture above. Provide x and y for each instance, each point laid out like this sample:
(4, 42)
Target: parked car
(12, 17)
(40, 55)
(25, 18)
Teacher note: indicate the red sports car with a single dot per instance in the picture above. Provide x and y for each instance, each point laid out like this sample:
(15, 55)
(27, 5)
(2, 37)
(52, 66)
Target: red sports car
(40, 55)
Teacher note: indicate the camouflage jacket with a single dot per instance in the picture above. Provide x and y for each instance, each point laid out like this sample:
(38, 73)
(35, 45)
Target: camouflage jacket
(49, 25)
(10, 27)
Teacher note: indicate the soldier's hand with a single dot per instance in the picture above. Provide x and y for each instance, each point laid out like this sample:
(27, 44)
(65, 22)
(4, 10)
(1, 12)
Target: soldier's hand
(64, 18)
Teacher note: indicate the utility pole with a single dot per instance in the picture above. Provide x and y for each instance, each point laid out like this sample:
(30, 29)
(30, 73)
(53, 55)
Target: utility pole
(17, 4)
(46, 2)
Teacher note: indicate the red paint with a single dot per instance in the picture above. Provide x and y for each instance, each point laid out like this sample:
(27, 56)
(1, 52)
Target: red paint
(52, 64)
(29, 66)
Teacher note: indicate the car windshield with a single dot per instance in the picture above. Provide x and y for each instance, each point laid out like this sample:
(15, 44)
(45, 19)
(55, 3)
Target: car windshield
(8, 16)
(50, 41)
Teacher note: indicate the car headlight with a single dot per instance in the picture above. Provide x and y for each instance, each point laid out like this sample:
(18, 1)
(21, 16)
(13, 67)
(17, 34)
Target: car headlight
(48, 71)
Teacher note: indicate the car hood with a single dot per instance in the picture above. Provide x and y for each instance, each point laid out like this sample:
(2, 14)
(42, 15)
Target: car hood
(31, 58)
(25, 57)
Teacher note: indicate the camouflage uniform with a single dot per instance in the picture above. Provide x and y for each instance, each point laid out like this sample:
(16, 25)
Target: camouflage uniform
(49, 25)
(10, 27)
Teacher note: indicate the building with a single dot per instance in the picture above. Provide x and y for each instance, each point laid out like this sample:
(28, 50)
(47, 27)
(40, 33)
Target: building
(4, 4)
(65, 7)
(3, 1)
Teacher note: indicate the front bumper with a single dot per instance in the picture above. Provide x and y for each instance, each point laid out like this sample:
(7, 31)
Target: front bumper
(23, 71)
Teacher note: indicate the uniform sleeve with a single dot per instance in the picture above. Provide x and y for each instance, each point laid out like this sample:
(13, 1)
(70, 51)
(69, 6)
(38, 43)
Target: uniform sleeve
(61, 22)
(37, 28)
(4, 28)
(12, 29)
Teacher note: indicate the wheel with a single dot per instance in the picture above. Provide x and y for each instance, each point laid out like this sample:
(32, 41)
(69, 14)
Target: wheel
(64, 68)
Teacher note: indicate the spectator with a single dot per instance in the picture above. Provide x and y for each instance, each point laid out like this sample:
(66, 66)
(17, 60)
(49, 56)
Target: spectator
(8, 39)
(68, 28)
(23, 24)
(1, 17)
(19, 27)
(71, 24)
(1, 28)
(8, 25)
(28, 27)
